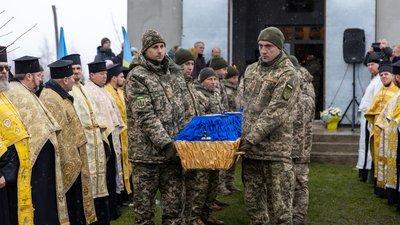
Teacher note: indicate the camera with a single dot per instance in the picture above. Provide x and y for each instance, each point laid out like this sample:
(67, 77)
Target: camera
(376, 46)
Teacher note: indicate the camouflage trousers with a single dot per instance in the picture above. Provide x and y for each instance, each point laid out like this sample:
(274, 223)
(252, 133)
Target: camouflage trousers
(196, 188)
(147, 179)
(300, 200)
(268, 191)
(230, 177)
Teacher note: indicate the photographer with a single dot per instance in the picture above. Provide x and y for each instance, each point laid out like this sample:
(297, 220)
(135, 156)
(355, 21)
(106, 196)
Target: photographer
(384, 52)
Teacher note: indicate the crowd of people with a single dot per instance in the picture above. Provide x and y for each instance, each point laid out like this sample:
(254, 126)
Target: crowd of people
(73, 152)
(378, 147)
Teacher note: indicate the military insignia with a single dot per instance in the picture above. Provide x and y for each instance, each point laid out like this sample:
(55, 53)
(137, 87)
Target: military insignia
(140, 102)
(7, 122)
(287, 92)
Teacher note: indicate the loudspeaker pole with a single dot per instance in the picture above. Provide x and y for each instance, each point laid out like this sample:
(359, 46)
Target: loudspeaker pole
(353, 101)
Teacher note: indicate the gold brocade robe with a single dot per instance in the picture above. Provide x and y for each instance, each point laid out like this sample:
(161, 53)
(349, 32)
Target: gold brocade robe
(12, 132)
(110, 119)
(40, 123)
(388, 122)
(118, 96)
(72, 144)
(378, 103)
(88, 115)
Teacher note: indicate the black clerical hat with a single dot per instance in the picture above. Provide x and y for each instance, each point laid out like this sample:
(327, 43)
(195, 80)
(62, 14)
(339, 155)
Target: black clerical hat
(60, 69)
(27, 64)
(76, 58)
(97, 66)
(3, 54)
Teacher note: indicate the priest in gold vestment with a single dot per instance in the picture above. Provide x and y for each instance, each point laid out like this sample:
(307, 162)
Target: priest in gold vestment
(48, 196)
(72, 141)
(382, 97)
(88, 114)
(15, 165)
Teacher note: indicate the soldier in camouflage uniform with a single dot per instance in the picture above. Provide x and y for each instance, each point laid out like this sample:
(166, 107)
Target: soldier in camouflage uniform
(155, 97)
(302, 141)
(207, 180)
(267, 93)
(220, 66)
(231, 83)
(193, 178)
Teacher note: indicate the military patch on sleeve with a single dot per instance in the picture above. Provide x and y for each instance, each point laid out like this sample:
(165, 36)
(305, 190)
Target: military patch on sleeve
(140, 102)
(287, 91)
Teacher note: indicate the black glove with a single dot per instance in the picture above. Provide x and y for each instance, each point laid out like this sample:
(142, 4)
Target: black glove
(245, 145)
(170, 152)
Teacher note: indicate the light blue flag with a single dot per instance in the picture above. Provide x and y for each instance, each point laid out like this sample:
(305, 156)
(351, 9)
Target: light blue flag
(62, 49)
(127, 57)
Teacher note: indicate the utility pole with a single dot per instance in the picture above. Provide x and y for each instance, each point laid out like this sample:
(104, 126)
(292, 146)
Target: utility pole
(55, 25)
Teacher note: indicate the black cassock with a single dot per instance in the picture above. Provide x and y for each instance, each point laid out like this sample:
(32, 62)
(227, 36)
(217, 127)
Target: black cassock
(9, 165)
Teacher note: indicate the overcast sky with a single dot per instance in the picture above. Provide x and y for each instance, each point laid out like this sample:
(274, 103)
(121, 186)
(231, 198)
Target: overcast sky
(85, 23)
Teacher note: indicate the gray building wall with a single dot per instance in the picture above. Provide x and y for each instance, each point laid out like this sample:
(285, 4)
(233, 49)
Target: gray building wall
(163, 16)
(341, 15)
(388, 20)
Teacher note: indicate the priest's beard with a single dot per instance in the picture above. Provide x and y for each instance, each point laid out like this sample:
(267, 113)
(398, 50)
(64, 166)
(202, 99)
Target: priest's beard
(4, 85)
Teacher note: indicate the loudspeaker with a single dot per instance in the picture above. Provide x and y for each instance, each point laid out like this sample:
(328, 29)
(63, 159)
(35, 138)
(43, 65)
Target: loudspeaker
(353, 45)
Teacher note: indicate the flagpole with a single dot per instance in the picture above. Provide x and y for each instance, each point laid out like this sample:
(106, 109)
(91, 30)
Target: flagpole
(55, 25)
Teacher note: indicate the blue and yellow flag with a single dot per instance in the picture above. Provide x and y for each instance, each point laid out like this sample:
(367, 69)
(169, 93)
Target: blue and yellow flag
(127, 57)
(62, 49)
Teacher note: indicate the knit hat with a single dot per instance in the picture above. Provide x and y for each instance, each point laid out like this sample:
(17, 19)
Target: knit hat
(206, 73)
(385, 66)
(151, 37)
(294, 60)
(217, 62)
(104, 40)
(232, 71)
(273, 35)
(182, 56)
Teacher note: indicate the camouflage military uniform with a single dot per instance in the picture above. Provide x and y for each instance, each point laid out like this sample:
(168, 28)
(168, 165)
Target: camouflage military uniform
(231, 92)
(155, 97)
(302, 145)
(268, 93)
(204, 182)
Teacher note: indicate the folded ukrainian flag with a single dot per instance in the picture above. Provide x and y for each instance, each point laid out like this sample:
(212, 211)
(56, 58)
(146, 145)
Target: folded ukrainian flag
(210, 141)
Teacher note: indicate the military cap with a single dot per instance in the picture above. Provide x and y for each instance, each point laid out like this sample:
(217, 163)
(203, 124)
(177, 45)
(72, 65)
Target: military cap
(182, 56)
(149, 38)
(273, 35)
(217, 62)
(232, 71)
(27, 64)
(385, 66)
(60, 69)
(205, 73)
(3, 54)
(76, 59)
(97, 66)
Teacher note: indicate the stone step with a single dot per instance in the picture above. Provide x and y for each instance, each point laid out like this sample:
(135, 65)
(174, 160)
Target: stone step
(337, 158)
(335, 147)
(336, 137)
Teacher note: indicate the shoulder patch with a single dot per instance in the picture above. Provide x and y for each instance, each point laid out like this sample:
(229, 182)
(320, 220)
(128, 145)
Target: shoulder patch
(288, 90)
(140, 102)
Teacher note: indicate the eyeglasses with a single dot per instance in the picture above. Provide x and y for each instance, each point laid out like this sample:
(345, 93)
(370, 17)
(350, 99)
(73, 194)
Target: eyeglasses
(7, 68)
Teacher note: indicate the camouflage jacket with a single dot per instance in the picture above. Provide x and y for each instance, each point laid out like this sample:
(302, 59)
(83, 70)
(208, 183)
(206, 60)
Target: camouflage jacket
(299, 120)
(156, 108)
(209, 100)
(308, 95)
(231, 92)
(222, 95)
(196, 108)
(268, 94)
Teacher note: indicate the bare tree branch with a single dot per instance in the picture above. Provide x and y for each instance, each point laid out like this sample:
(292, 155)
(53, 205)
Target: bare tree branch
(3, 35)
(2, 11)
(22, 35)
(6, 22)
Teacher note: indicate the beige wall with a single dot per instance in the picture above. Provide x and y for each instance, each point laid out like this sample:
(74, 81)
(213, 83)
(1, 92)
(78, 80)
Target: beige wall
(164, 16)
(388, 20)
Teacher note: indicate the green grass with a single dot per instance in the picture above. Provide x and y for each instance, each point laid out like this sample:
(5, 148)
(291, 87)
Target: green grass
(336, 197)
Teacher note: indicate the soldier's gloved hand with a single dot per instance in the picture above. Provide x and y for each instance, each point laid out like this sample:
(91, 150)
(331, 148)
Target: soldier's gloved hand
(244, 145)
(170, 153)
